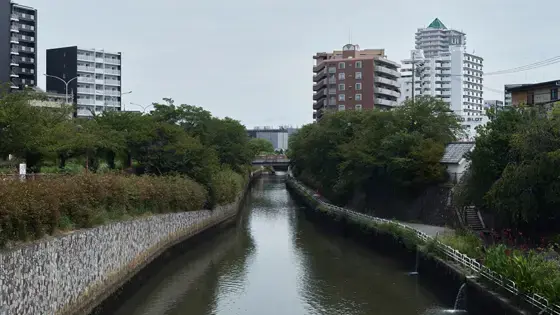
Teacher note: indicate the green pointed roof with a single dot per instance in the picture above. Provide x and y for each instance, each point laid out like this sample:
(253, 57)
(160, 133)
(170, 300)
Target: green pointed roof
(437, 24)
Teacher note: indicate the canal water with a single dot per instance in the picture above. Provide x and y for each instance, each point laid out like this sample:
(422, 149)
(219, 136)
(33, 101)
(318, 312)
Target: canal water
(275, 262)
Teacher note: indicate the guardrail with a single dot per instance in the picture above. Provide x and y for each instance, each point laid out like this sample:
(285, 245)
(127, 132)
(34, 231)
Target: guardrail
(468, 263)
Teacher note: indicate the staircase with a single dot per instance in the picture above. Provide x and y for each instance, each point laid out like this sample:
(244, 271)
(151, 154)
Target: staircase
(473, 219)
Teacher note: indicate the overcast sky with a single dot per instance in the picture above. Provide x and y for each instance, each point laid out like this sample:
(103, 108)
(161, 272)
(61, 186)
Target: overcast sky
(252, 59)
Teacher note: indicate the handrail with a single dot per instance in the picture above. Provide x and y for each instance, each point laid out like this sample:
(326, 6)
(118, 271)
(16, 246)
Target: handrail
(454, 255)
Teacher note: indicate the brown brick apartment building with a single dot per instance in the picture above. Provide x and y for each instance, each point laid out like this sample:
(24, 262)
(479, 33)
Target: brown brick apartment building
(354, 79)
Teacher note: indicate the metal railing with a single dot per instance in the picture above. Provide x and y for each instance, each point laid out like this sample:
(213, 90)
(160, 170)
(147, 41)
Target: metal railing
(470, 264)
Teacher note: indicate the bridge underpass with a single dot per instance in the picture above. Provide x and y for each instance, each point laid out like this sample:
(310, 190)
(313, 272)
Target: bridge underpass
(276, 162)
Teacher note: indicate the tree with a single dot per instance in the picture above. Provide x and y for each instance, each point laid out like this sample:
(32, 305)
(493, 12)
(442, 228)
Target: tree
(259, 145)
(350, 152)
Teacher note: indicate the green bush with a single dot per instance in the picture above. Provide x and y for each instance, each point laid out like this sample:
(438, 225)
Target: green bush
(31, 209)
(226, 186)
(464, 241)
(530, 270)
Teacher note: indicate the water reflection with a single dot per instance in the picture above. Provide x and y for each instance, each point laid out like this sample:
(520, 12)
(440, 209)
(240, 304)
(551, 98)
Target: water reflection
(276, 262)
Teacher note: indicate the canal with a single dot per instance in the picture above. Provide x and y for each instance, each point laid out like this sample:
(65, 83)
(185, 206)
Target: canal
(274, 261)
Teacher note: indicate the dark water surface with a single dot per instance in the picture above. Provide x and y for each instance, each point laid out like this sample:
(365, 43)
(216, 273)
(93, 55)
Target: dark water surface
(274, 261)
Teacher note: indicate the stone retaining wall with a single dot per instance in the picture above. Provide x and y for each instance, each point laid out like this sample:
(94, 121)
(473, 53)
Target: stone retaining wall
(60, 275)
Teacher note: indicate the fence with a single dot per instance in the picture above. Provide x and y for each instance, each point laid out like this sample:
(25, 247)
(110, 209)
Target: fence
(470, 264)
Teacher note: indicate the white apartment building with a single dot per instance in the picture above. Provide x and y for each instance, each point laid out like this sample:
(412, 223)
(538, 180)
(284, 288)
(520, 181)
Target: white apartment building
(436, 39)
(98, 78)
(447, 72)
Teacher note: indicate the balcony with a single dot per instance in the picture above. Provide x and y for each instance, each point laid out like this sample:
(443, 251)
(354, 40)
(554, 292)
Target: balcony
(14, 28)
(14, 75)
(319, 85)
(26, 49)
(86, 91)
(14, 62)
(86, 69)
(320, 94)
(85, 111)
(112, 103)
(14, 51)
(112, 93)
(86, 80)
(387, 92)
(14, 40)
(85, 57)
(113, 82)
(112, 72)
(320, 75)
(25, 27)
(86, 101)
(386, 81)
(99, 70)
(26, 60)
(14, 18)
(113, 61)
(25, 71)
(24, 16)
(384, 102)
(319, 67)
(25, 38)
(387, 71)
(319, 104)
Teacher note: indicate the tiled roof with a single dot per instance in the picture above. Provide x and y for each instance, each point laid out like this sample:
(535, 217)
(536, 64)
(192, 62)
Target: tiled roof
(437, 24)
(455, 151)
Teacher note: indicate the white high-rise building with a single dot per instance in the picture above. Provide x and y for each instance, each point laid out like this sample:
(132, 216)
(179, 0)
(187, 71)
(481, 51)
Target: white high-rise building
(445, 70)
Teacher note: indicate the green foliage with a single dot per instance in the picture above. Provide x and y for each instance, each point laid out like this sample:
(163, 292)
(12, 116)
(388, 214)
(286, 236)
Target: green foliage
(31, 209)
(358, 151)
(226, 186)
(531, 271)
(259, 145)
(515, 168)
(464, 241)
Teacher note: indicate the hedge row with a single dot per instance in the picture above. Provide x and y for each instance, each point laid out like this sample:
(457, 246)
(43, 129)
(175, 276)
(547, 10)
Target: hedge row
(31, 209)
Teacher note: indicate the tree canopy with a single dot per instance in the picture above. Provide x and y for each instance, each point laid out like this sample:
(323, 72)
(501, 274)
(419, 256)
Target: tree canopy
(515, 168)
(173, 139)
(354, 151)
(259, 145)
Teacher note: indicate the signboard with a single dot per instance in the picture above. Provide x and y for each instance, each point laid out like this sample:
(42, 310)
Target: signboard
(475, 119)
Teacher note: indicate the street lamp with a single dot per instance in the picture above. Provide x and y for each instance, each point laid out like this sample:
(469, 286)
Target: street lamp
(124, 104)
(66, 83)
(141, 106)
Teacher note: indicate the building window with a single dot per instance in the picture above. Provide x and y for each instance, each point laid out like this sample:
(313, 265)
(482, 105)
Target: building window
(358, 86)
(332, 70)
(358, 97)
(341, 65)
(358, 75)
(554, 94)
(341, 97)
(341, 76)
(358, 107)
(341, 87)
(341, 107)
(358, 64)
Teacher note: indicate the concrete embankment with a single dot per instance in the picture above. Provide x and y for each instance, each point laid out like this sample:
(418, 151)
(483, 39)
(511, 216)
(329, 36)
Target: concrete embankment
(73, 274)
(444, 278)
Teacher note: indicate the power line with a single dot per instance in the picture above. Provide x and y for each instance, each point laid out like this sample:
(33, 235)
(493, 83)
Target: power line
(531, 66)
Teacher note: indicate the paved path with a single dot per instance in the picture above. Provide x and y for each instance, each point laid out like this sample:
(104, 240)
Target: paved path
(430, 230)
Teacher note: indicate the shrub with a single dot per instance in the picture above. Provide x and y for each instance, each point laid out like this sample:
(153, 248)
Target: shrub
(31, 209)
(226, 186)
(464, 241)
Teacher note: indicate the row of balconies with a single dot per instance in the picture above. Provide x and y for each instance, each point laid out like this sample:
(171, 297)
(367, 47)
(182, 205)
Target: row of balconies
(98, 81)
(99, 70)
(16, 16)
(91, 101)
(16, 27)
(386, 92)
(16, 38)
(100, 60)
(15, 61)
(98, 92)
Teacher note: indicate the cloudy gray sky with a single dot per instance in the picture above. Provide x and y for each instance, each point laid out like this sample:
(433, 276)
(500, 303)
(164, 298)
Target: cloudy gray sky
(252, 60)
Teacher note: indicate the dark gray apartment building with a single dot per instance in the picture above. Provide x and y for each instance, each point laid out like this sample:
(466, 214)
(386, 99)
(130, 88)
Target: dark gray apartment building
(18, 45)
(93, 77)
